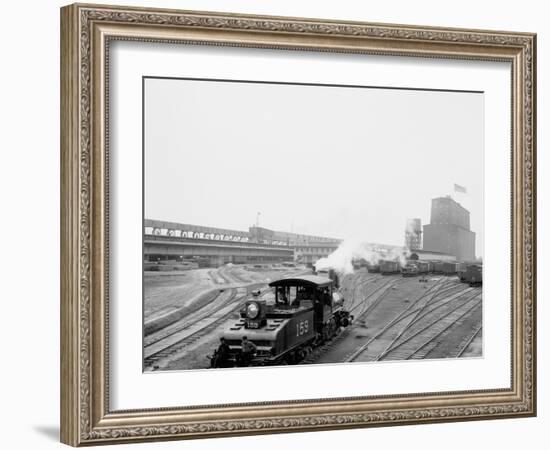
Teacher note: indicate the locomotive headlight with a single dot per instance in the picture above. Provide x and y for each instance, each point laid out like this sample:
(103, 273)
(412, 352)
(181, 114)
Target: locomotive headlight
(252, 310)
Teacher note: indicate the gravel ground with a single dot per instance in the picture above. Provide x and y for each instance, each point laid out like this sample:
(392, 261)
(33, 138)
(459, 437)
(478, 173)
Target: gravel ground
(162, 292)
(360, 290)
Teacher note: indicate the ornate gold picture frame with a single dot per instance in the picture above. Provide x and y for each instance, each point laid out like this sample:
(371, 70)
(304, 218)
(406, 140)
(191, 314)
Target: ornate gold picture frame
(87, 31)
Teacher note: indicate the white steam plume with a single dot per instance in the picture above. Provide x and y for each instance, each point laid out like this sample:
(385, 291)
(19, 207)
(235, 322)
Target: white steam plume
(341, 259)
(410, 227)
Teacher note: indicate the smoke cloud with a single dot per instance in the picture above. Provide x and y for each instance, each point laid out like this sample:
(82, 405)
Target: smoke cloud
(341, 260)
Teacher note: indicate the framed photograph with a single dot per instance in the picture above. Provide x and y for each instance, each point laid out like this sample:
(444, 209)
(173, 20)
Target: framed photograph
(275, 224)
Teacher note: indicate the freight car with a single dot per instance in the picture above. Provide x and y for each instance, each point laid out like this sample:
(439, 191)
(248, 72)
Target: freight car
(389, 267)
(449, 268)
(474, 274)
(409, 270)
(438, 267)
(359, 263)
(424, 267)
(461, 271)
(373, 267)
(308, 311)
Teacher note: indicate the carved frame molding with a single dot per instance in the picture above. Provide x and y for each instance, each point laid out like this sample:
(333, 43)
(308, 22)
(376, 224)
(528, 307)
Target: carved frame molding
(86, 31)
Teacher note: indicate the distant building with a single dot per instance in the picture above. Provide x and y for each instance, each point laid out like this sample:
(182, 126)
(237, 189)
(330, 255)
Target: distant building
(413, 234)
(310, 253)
(449, 230)
(308, 249)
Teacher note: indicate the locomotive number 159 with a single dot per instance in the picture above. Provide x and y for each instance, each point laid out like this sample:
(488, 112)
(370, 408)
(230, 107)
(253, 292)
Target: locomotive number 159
(302, 328)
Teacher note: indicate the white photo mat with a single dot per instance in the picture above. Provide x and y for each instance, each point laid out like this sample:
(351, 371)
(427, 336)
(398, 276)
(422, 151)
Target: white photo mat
(132, 389)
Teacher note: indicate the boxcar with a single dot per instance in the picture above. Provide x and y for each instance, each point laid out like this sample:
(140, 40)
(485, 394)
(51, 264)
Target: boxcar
(373, 268)
(423, 267)
(461, 271)
(449, 268)
(389, 267)
(474, 274)
(438, 266)
(409, 270)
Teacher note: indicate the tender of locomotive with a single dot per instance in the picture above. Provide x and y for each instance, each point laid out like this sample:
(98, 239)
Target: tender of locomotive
(307, 311)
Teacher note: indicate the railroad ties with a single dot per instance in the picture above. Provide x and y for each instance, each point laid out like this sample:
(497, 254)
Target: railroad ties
(395, 318)
(178, 339)
(422, 325)
(398, 318)
(160, 349)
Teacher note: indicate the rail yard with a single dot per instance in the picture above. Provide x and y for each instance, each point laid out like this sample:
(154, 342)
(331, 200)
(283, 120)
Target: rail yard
(394, 317)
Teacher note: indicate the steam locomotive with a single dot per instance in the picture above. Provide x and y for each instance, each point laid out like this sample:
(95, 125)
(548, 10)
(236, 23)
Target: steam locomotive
(308, 310)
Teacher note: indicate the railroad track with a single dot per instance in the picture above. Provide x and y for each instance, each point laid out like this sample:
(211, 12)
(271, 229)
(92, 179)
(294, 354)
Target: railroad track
(152, 356)
(361, 284)
(435, 305)
(423, 341)
(215, 277)
(468, 342)
(350, 286)
(322, 349)
(408, 331)
(410, 311)
(191, 318)
(369, 306)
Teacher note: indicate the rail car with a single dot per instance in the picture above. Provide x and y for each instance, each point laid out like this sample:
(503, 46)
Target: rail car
(373, 268)
(423, 267)
(389, 267)
(410, 270)
(474, 274)
(307, 311)
(359, 263)
(438, 267)
(449, 268)
(461, 271)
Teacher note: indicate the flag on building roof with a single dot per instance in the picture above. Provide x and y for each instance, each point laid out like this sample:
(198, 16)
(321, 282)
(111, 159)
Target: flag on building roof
(459, 188)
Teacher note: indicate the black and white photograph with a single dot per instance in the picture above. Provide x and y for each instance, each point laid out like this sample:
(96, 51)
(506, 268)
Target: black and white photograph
(275, 224)
(291, 223)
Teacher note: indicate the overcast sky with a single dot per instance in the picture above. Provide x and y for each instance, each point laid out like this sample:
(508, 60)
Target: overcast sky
(339, 162)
